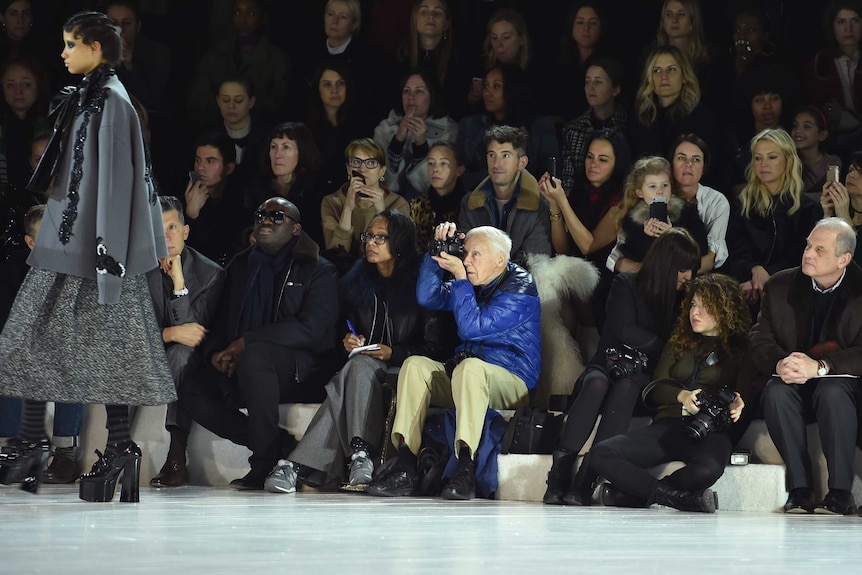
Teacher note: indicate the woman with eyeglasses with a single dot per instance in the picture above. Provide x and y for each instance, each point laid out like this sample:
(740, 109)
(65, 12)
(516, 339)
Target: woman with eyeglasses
(347, 212)
(379, 307)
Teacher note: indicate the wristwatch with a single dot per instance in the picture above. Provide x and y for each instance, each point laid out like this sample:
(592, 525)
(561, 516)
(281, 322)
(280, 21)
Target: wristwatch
(181, 292)
(822, 368)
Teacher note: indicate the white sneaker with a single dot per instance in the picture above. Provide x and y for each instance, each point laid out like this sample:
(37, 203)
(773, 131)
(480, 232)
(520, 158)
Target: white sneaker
(282, 478)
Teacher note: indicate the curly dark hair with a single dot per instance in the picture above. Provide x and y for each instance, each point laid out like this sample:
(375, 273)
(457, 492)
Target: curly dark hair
(722, 297)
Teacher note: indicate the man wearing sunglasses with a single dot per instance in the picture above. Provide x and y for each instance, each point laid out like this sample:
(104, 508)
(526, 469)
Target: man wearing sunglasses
(273, 342)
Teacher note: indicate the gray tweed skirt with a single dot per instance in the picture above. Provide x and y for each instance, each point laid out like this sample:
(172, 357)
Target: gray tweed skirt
(60, 344)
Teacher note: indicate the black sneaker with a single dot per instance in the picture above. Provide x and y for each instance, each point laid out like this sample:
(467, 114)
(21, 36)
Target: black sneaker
(462, 486)
(393, 483)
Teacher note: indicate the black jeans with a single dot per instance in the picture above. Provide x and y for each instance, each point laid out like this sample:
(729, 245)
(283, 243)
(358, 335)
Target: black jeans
(623, 460)
(265, 377)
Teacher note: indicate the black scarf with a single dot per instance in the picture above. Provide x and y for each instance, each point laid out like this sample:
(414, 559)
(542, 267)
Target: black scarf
(62, 112)
(259, 293)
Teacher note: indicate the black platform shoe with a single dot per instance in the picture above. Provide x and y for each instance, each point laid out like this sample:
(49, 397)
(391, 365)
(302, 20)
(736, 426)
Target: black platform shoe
(100, 484)
(24, 461)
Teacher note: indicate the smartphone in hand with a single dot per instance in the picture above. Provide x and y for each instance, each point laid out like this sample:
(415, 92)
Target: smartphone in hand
(658, 209)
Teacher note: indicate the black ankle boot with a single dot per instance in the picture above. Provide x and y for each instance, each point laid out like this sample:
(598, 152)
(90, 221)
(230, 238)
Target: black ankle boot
(701, 501)
(613, 496)
(583, 485)
(559, 477)
(100, 484)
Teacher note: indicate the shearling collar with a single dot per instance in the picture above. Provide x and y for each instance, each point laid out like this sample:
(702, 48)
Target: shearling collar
(640, 212)
(526, 193)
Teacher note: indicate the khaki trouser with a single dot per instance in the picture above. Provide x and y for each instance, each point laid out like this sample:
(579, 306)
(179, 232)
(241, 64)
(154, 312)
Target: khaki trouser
(475, 386)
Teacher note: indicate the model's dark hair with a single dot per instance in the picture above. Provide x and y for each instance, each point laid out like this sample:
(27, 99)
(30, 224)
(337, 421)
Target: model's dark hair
(437, 107)
(613, 68)
(169, 203)
(508, 135)
(96, 27)
(518, 99)
(316, 113)
(220, 141)
(723, 299)
(673, 252)
(309, 155)
(697, 141)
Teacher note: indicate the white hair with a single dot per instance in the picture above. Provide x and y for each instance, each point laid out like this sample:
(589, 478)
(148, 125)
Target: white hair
(498, 240)
(845, 235)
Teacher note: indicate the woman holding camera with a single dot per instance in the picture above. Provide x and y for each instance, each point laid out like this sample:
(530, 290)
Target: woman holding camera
(641, 310)
(693, 390)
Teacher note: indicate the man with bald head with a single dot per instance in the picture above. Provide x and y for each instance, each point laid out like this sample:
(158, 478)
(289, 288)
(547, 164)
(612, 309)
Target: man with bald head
(496, 307)
(272, 342)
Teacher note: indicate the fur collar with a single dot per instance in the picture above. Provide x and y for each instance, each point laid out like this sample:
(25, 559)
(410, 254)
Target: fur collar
(527, 195)
(640, 212)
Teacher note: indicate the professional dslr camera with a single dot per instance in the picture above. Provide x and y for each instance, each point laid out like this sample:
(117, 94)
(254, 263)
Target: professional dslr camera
(714, 413)
(625, 362)
(454, 246)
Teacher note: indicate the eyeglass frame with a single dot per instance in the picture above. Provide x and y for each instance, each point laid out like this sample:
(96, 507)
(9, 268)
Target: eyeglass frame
(365, 236)
(355, 162)
(277, 217)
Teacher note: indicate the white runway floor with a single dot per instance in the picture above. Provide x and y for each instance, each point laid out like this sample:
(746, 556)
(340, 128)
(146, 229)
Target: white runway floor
(212, 531)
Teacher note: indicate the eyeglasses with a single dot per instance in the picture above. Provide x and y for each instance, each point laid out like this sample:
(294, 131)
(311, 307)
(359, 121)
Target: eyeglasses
(376, 238)
(370, 163)
(276, 216)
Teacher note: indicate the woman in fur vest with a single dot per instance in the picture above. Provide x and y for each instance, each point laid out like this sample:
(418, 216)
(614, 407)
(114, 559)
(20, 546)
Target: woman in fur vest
(379, 308)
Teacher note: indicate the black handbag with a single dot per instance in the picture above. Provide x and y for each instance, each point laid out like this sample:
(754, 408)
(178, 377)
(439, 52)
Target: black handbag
(532, 430)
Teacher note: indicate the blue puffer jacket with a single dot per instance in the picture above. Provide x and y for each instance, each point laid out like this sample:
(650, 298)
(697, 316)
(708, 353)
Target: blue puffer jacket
(505, 330)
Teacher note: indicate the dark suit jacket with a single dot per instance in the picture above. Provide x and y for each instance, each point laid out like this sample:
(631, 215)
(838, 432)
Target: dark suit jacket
(785, 316)
(205, 281)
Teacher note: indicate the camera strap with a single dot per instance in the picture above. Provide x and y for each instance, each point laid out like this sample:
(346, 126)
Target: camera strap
(652, 385)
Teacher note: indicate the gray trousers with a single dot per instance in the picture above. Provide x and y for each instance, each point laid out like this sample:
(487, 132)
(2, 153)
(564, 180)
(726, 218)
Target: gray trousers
(353, 408)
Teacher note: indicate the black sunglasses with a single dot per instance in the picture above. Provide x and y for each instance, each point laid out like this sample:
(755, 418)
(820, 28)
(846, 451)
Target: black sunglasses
(276, 216)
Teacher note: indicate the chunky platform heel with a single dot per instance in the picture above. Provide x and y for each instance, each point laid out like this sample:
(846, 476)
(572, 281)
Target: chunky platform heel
(100, 484)
(23, 461)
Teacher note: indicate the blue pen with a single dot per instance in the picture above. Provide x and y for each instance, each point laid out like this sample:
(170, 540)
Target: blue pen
(352, 329)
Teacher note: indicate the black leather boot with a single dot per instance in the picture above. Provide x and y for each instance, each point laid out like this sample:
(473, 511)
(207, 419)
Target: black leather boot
(559, 477)
(581, 490)
(701, 501)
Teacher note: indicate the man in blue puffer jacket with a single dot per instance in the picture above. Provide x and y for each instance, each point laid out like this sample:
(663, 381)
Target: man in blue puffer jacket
(496, 308)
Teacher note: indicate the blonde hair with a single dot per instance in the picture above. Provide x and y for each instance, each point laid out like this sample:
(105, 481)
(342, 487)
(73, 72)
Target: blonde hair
(755, 194)
(445, 45)
(355, 12)
(697, 50)
(517, 21)
(648, 166)
(689, 97)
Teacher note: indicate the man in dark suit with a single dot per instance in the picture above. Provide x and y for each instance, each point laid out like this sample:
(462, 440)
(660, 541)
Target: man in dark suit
(273, 341)
(809, 335)
(186, 289)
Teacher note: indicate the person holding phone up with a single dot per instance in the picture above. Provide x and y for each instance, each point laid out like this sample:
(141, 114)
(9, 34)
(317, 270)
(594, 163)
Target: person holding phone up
(647, 211)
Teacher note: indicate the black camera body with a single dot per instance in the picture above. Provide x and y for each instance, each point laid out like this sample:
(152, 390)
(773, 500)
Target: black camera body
(714, 414)
(454, 246)
(625, 362)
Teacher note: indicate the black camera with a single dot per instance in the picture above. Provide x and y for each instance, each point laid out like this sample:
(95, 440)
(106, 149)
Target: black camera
(625, 362)
(714, 414)
(453, 245)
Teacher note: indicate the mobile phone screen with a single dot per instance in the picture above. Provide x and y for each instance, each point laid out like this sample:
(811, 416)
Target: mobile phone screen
(658, 210)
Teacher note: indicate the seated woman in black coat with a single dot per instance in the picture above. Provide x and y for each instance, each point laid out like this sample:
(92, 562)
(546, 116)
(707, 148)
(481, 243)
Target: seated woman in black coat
(379, 306)
(701, 361)
(771, 219)
(641, 310)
